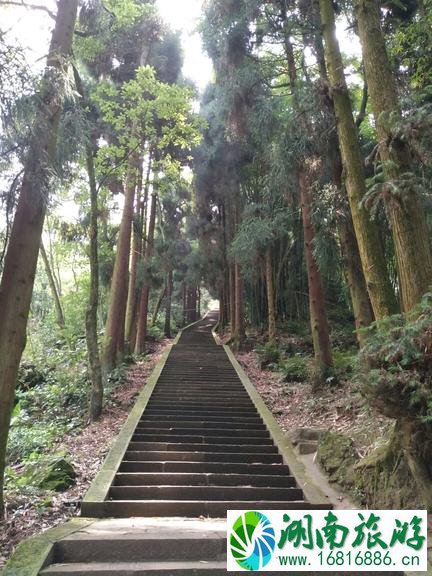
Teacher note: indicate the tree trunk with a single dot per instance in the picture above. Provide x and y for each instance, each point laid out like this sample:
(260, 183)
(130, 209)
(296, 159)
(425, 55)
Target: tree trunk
(232, 299)
(158, 305)
(53, 288)
(16, 286)
(143, 304)
(114, 329)
(270, 296)
(239, 332)
(169, 290)
(317, 307)
(405, 209)
(373, 262)
(139, 234)
(184, 298)
(96, 396)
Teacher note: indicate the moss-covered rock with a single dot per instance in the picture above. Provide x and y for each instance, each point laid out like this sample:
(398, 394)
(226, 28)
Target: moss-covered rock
(336, 454)
(383, 480)
(51, 473)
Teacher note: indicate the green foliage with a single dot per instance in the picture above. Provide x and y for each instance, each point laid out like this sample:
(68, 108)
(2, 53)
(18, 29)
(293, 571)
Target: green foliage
(296, 369)
(397, 355)
(269, 354)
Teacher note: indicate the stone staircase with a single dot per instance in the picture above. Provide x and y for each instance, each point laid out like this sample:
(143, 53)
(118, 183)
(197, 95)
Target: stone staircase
(200, 447)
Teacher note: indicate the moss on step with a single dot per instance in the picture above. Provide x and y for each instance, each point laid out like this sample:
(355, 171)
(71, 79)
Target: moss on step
(33, 554)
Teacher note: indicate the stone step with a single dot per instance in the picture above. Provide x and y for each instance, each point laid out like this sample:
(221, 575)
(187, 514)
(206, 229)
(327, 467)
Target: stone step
(201, 479)
(189, 456)
(200, 447)
(172, 418)
(217, 412)
(176, 437)
(211, 493)
(194, 568)
(193, 423)
(204, 467)
(141, 545)
(151, 431)
(202, 404)
(187, 508)
(173, 568)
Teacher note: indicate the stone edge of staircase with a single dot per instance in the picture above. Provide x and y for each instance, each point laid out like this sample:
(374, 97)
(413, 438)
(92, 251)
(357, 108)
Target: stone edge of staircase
(35, 553)
(313, 494)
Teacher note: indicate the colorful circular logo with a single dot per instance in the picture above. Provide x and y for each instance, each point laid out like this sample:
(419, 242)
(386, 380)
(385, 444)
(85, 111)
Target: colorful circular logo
(252, 541)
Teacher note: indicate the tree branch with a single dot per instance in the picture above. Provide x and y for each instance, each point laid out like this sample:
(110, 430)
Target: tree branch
(22, 4)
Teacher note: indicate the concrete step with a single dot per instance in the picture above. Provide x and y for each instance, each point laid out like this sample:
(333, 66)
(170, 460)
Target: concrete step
(200, 447)
(186, 432)
(209, 418)
(187, 508)
(194, 568)
(190, 456)
(175, 438)
(201, 479)
(139, 546)
(200, 413)
(211, 493)
(171, 424)
(204, 468)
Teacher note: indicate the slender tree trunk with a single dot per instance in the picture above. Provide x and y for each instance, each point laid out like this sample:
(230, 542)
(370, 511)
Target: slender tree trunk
(114, 329)
(270, 296)
(405, 210)
(137, 255)
(96, 396)
(16, 286)
(137, 240)
(169, 290)
(373, 262)
(232, 299)
(198, 302)
(53, 288)
(143, 304)
(317, 308)
(239, 331)
(158, 305)
(184, 298)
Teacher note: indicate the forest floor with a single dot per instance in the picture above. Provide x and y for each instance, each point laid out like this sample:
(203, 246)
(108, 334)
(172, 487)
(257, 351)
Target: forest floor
(29, 514)
(336, 406)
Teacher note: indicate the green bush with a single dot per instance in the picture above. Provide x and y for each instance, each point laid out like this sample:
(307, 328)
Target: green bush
(268, 354)
(296, 368)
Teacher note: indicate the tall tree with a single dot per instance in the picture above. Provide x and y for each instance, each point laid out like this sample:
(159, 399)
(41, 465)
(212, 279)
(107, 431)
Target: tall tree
(403, 203)
(374, 267)
(20, 261)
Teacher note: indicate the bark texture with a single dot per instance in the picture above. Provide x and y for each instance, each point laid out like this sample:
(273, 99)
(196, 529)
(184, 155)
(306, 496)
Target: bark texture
(405, 209)
(145, 291)
(373, 262)
(270, 296)
(114, 328)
